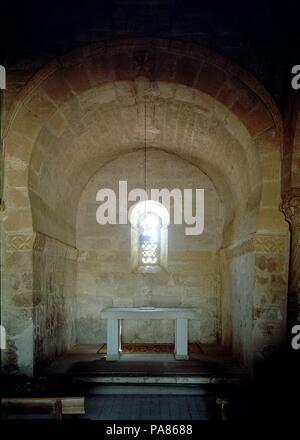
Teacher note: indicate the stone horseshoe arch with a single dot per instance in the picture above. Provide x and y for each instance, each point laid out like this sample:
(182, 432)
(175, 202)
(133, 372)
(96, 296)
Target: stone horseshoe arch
(52, 111)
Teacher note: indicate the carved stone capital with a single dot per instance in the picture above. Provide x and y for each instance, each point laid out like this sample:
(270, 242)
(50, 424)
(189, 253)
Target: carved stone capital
(291, 206)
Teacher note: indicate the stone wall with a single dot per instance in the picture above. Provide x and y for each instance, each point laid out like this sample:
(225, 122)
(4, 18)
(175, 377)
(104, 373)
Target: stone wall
(16, 302)
(270, 298)
(54, 299)
(104, 268)
(254, 285)
(242, 272)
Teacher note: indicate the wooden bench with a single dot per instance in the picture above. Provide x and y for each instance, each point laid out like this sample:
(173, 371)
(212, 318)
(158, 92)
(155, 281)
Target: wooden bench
(44, 405)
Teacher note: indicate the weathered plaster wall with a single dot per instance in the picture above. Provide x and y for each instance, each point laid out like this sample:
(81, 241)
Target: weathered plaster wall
(242, 271)
(54, 299)
(254, 289)
(16, 303)
(270, 297)
(104, 269)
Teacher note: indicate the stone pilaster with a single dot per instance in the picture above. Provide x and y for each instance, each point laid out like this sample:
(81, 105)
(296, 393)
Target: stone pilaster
(291, 209)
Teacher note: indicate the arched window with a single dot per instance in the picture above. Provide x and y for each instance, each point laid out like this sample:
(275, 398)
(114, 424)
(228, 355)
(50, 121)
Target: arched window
(149, 226)
(149, 236)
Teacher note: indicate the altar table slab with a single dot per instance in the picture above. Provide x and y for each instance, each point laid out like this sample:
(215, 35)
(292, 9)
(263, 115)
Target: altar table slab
(115, 315)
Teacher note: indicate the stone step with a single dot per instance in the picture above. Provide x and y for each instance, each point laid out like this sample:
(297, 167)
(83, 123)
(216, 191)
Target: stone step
(180, 379)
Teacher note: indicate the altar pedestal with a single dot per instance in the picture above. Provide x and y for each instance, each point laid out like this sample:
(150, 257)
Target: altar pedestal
(115, 315)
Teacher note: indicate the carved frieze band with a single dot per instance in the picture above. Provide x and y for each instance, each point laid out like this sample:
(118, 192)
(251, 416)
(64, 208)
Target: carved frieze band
(258, 243)
(20, 242)
(271, 244)
(50, 245)
(39, 242)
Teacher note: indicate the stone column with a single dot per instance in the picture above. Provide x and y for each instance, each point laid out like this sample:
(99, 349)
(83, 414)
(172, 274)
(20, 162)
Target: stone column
(291, 210)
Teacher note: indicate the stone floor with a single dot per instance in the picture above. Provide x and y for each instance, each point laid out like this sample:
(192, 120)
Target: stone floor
(84, 361)
(152, 402)
(155, 402)
(151, 386)
(136, 388)
(150, 407)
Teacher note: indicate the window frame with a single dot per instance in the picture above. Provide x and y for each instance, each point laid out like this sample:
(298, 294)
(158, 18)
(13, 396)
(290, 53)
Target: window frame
(142, 209)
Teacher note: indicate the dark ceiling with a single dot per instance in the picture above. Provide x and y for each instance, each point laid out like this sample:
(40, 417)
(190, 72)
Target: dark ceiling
(261, 36)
